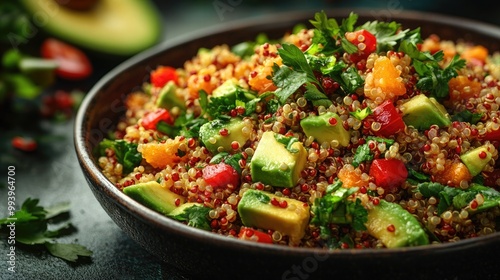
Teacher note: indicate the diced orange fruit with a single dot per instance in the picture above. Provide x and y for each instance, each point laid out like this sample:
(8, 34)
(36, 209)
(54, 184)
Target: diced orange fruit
(461, 88)
(386, 77)
(159, 155)
(454, 173)
(259, 81)
(478, 53)
(350, 177)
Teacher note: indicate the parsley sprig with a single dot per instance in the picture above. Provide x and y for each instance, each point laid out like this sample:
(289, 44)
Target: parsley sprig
(433, 77)
(32, 223)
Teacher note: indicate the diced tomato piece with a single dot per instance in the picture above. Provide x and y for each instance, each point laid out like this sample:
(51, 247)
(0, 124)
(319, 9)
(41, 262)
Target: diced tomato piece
(365, 41)
(162, 75)
(390, 120)
(24, 144)
(493, 135)
(220, 175)
(246, 233)
(150, 120)
(388, 173)
(73, 64)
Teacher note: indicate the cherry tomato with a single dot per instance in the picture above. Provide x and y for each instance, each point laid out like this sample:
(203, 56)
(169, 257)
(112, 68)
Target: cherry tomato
(73, 64)
(162, 75)
(388, 173)
(24, 144)
(220, 175)
(247, 233)
(389, 119)
(150, 120)
(365, 41)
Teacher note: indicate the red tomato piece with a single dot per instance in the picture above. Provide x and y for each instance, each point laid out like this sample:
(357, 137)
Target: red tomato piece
(246, 233)
(365, 41)
(151, 119)
(220, 175)
(493, 135)
(24, 144)
(73, 64)
(162, 75)
(388, 173)
(390, 120)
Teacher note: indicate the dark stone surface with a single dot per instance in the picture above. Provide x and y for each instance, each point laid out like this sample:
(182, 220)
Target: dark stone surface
(52, 174)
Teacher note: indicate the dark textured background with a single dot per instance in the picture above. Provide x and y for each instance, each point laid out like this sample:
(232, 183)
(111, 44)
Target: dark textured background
(52, 174)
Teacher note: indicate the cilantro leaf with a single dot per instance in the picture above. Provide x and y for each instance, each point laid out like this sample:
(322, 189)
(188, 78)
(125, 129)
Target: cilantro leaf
(316, 97)
(126, 153)
(363, 153)
(361, 114)
(467, 116)
(293, 57)
(287, 141)
(195, 216)
(287, 81)
(32, 227)
(388, 34)
(69, 252)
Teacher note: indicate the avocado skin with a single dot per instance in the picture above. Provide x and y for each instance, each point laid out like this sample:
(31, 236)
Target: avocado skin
(408, 231)
(154, 196)
(86, 29)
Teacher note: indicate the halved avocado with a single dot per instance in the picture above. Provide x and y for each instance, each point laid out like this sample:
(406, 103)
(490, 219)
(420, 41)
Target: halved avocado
(119, 27)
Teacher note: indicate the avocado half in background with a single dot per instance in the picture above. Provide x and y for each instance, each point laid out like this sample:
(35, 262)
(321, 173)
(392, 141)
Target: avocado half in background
(118, 27)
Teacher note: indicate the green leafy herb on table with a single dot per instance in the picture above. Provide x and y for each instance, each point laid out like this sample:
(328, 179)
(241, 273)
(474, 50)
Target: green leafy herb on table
(31, 224)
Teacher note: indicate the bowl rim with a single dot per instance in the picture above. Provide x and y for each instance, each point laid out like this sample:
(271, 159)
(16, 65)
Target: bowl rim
(92, 171)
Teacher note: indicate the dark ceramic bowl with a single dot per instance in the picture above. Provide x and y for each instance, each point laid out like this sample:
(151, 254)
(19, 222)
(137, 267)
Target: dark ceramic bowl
(200, 254)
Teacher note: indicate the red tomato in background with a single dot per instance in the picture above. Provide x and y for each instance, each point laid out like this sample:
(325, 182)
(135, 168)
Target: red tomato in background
(162, 75)
(73, 64)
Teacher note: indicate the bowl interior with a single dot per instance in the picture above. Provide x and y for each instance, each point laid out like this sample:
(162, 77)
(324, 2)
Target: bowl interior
(104, 104)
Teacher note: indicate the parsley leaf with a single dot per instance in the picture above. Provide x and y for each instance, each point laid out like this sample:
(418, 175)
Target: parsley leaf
(433, 78)
(363, 153)
(467, 116)
(126, 153)
(32, 227)
(195, 216)
(287, 81)
(293, 57)
(388, 34)
(361, 114)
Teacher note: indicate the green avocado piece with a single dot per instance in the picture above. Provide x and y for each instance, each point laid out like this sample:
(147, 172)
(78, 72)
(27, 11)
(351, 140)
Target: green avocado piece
(216, 142)
(168, 98)
(123, 28)
(229, 89)
(274, 164)
(421, 112)
(256, 210)
(407, 229)
(321, 128)
(476, 159)
(154, 196)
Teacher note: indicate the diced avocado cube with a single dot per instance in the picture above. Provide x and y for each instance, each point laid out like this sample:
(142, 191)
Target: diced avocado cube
(395, 226)
(275, 164)
(168, 98)
(182, 208)
(257, 210)
(421, 112)
(193, 213)
(326, 128)
(229, 89)
(476, 159)
(154, 196)
(219, 136)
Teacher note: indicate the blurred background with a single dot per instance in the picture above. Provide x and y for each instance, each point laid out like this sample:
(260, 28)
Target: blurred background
(39, 98)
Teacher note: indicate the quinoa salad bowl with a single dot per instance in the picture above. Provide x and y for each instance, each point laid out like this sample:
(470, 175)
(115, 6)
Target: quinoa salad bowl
(306, 145)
